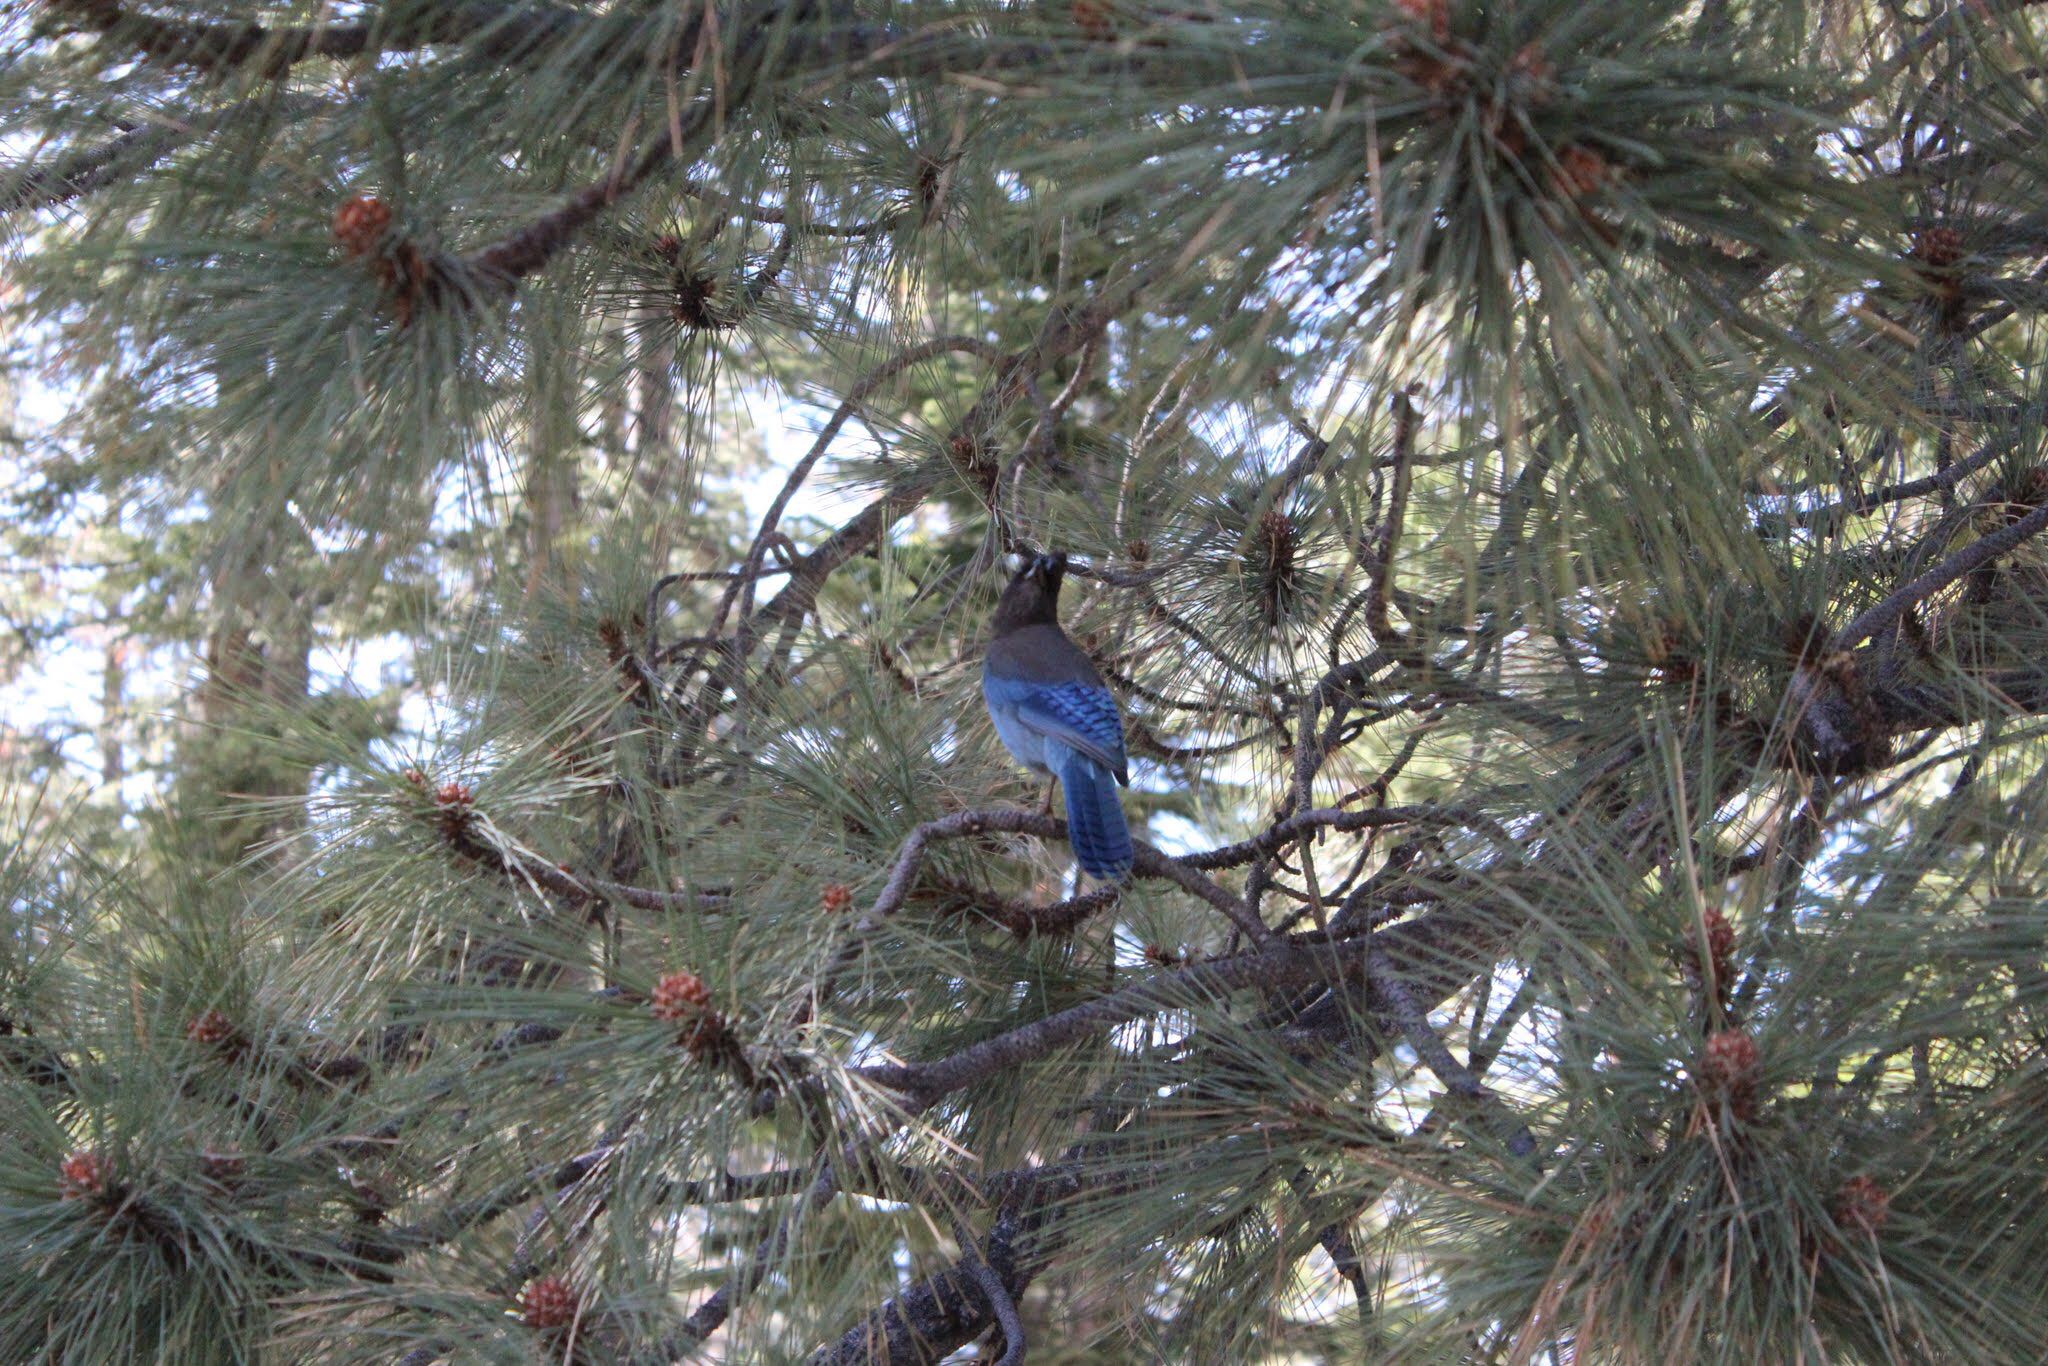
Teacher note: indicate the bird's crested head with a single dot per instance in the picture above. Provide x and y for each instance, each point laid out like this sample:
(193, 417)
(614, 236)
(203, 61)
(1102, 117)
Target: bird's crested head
(1033, 595)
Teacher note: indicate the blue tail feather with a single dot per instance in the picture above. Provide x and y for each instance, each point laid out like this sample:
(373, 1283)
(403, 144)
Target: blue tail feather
(1095, 819)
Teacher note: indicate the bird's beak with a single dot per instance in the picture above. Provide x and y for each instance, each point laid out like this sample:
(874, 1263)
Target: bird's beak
(1040, 567)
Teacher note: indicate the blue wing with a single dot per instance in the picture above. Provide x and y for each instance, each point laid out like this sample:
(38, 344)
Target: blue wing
(1081, 716)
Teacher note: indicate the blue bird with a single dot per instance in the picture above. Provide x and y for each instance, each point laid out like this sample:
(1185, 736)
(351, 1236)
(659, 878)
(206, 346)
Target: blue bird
(1055, 716)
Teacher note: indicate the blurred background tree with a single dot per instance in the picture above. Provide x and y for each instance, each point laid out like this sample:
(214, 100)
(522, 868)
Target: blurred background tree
(506, 860)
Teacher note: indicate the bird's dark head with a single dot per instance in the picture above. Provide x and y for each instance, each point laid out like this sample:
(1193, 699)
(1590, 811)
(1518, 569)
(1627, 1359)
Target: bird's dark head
(1033, 596)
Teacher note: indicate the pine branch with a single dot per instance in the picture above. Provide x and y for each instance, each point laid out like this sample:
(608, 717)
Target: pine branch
(1276, 967)
(81, 173)
(852, 403)
(1065, 331)
(1336, 1242)
(711, 1315)
(1001, 1303)
(942, 1313)
(1027, 919)
(505, 262)
(1149, 862)
(1981, 552)
(1285, 832)
(1406, 420)
(271, 52)
(1832, 514)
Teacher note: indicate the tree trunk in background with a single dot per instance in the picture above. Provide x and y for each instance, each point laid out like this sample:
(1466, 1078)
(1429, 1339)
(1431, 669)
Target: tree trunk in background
(113, 691)
(256, 670)
(552, 495)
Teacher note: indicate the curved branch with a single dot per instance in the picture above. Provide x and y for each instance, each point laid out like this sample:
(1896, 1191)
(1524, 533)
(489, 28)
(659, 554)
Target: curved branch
(848, 406)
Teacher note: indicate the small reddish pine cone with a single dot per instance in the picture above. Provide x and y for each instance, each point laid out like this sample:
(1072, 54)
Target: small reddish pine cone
(548, 1302)
(1423, 51)
(695, 301)
(930, 179)
(1095, 18)
(971, 459)
(1280, 535)
(408, 276)
(680, 996)
(454, 807)
(1507, 133)
(1434, 15)
(1670, 654)
(1728, 1069)
(837, 898)
(1533, 68)
(415, 777)
(223, 1167)
(360, 224)
(2024, 492)
(1579, 171)
(1140, 551)
(1862, 1206)
(84, 1175)
(1938, 247)
(668, 246)
(210, 1027)
(1720, 941)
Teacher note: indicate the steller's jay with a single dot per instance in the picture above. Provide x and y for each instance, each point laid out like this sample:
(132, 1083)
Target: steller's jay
(1055, 716)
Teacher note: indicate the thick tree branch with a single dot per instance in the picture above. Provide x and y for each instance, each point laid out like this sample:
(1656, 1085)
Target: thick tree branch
(1978, 553)
(1149, 862)
(271, 52)
(1276, 967)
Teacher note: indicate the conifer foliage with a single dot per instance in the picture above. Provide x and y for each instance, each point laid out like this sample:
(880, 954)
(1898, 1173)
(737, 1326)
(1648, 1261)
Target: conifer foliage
(1556, 486)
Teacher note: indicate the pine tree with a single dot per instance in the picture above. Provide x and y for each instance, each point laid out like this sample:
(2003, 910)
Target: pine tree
(1554, 484)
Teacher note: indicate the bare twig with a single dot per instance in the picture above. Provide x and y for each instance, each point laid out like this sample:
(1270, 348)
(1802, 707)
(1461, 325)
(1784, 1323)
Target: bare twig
(1377, 598)
(848, 406)
(711, 1315)
(1000, 1302)
(1414, 1024)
